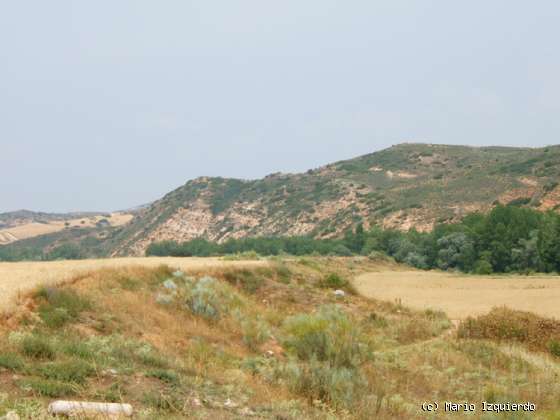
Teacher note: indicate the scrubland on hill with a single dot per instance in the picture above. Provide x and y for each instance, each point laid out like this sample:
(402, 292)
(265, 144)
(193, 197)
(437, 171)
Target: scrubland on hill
(28, 226)
(272, 340)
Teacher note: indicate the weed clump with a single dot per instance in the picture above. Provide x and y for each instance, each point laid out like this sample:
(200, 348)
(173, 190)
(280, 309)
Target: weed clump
(554, 347)
(283, 272)
(76, 371)
(164, 401)
(341, 387)
(37, 347)
(255, 331)
(49, 388)
(163, 375)
(60, 306)
(334, 281)
(247, 280)
(328, 335)
(327, 348)
(11, 361)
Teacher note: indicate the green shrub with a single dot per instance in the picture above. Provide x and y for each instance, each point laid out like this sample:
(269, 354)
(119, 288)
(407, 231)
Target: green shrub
(378, 321)
(163, 401)
(148, 357)
(554, 347)
(255, 332)
(37, 347)
(78, 349)
(340, 387)
(76, 371)
(334, 281)
(211, 299)
(245, 279)
(483, 267)
(49, 388)
(11, 361)
(60, 306)
(163, 375)
(328, 335)
(283, 272)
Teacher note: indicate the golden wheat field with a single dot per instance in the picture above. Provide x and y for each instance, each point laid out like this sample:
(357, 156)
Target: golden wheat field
(20, 277)
(463, 295)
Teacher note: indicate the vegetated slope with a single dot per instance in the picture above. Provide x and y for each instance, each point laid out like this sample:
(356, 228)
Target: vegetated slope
(21, 277)
(13, 218)
(24, 224)
(264, 342)
(408, 185)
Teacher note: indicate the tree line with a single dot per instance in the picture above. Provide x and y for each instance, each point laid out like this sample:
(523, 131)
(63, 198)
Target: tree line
(507, 239)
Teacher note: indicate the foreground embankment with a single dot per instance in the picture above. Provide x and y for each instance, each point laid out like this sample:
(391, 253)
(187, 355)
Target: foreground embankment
(20, 277)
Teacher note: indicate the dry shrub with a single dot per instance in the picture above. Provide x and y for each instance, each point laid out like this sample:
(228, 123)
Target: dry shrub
(505, 324)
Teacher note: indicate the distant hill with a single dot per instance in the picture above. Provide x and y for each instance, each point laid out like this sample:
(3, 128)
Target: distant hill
(24, 224)
(19, 217)
(405, 186)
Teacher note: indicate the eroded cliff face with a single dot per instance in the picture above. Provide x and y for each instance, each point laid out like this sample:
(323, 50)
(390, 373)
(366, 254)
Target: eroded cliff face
(407, 186)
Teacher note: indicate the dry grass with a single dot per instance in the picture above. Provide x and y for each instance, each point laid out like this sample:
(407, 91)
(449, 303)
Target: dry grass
(20, 277)
(30, 230)
(384, 359)
(502, 324)
(461, 296)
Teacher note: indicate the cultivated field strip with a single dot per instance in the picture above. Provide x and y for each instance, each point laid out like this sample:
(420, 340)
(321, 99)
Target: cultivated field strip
(21, 277)
(463, 295)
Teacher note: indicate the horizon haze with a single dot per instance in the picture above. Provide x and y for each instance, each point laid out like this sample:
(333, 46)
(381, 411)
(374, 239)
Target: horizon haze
(107, 106)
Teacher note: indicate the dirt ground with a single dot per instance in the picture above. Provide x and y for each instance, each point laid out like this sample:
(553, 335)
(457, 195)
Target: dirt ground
(21, 277)
(463, 295)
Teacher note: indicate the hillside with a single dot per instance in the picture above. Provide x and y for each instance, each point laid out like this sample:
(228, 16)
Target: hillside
(408, 185)
(24, 224)
(267, 341)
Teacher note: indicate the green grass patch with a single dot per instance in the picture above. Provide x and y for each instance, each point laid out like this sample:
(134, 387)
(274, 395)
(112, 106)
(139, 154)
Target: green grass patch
(247, 280)
(76, 371)
(37, 347)
(11, 361)
(59, 306)
(49, 388)
(167, 376)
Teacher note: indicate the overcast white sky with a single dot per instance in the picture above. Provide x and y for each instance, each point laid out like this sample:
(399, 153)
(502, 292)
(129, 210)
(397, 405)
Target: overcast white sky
(108, 104)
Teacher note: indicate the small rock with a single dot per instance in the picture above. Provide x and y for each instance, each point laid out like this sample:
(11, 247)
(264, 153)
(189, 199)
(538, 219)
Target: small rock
(230, 404)
(195, 402)
(169, 284)
(10, 415)
(269, 353)
(247, 412)
(163, 299)
(110, 372)
(339, 293)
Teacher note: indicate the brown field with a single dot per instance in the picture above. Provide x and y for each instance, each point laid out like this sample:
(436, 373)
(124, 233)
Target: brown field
(20, 277)
(30, 230)
(463, 295)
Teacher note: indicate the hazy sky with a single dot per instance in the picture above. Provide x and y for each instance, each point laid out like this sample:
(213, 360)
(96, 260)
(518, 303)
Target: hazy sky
(109, 104)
